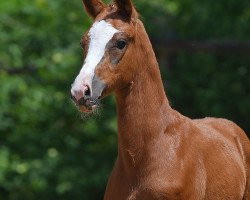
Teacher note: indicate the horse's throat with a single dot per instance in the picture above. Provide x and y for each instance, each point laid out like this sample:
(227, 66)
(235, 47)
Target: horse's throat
(142, 108)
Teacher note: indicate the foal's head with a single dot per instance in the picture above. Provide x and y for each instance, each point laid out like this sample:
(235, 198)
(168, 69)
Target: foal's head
(110, 48)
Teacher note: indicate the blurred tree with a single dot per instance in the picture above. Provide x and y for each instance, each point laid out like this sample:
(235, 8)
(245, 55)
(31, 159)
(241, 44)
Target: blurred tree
(46, 150)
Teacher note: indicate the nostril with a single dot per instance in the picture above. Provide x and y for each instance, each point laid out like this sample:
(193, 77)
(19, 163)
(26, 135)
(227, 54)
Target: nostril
(87, 91)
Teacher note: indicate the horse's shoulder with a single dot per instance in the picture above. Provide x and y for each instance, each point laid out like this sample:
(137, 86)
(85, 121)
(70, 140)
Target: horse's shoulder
(222, 137)
(218, 127)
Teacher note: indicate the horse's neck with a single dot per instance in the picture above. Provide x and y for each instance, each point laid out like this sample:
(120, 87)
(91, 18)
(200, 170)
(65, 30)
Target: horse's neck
(142, 109)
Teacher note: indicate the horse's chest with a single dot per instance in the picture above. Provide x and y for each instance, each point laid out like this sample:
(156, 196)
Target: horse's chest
(157, 186)
(155, 193)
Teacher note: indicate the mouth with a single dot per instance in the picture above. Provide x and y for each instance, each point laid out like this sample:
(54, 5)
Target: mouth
(87, 104)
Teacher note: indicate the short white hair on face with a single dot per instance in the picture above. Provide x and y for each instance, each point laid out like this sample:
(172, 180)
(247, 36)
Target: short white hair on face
(99, 34)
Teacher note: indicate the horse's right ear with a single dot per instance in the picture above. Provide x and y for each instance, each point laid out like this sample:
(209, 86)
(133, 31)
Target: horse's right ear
(93, 7)
(125, 7)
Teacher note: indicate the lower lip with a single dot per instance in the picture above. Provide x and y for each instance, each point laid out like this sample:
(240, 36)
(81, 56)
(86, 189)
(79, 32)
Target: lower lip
(88, 110)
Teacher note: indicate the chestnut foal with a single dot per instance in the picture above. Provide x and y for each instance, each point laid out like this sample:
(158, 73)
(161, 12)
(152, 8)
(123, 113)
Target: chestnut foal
(161, 153)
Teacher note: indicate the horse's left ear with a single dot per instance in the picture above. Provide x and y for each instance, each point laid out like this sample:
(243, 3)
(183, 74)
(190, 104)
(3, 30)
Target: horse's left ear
(93, 7)
(125, 7)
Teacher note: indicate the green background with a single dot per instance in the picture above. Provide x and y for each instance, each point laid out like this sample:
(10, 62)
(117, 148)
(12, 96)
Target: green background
(47, 149)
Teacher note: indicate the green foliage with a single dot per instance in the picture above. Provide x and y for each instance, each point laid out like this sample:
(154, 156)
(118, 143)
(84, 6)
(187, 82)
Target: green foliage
(47, 150)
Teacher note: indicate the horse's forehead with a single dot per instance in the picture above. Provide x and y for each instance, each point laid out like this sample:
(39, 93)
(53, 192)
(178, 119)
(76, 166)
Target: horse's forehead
(101, 29)
(106, 25)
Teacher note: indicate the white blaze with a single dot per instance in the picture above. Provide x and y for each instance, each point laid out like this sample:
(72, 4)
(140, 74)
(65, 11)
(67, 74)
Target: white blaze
(100, 34)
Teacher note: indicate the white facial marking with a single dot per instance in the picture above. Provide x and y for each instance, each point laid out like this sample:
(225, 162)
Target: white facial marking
(100, 34)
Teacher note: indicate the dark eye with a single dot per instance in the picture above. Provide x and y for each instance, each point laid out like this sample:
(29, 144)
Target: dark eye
(121, 44)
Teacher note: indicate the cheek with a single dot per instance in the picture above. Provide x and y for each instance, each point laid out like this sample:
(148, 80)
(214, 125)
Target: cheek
(116, 56)
(105, 71)
(114, 69)
(110, 74)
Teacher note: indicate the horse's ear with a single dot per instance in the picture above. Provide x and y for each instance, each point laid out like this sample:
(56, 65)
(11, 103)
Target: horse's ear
(125, 7)
(93, 7)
